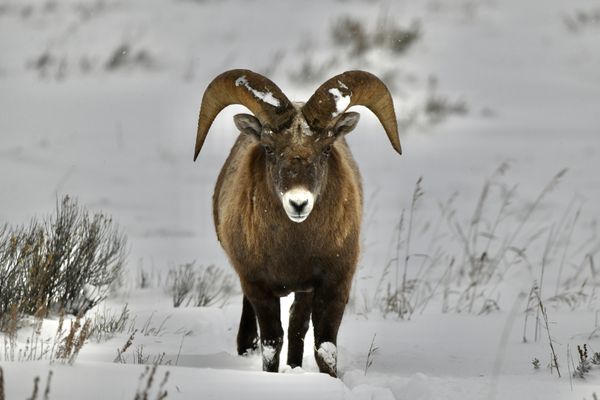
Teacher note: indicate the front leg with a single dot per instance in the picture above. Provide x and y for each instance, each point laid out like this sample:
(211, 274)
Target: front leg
(299, 317)
(267, 308)
(329, 302)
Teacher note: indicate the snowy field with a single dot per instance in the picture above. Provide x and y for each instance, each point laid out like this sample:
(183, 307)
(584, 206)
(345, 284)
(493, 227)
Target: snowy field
(499, 108)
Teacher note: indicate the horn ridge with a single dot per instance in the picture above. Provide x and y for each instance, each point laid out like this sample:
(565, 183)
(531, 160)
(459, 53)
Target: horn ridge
(250, 89)
(349, 89)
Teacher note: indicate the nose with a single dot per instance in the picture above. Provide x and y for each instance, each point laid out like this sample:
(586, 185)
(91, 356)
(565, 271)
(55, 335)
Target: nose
(298, 203)
(298, 206)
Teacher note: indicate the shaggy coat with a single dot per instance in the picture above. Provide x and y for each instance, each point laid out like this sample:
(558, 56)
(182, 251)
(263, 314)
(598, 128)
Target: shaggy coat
(287, 205)
(317, 256)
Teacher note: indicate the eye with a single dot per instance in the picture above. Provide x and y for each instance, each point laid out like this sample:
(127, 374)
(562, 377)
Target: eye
(327, 150)
(268, 149)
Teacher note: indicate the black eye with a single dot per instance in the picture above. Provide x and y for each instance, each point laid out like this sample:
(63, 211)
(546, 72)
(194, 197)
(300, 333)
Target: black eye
(327, 150)
(268, 149)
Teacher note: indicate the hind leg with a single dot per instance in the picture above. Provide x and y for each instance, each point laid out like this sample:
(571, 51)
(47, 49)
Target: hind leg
(299, 318)
(247, 337)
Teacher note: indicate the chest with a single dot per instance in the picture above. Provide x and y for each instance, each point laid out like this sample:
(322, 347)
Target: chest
(268, 248)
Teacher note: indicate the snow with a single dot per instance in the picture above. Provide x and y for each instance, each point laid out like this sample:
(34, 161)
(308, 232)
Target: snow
(266, 97)
(305, 128)
(342, 85)
(341, 101)
(120, 141)
(268, 353)
(328, 353)
(99, 381)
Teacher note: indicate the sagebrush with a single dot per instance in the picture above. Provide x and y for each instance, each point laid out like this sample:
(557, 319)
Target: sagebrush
(67, 261)
(199, 286)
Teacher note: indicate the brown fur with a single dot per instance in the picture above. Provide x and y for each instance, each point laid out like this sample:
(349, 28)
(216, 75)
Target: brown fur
(264, 246)
(274, 256)
(289, 159)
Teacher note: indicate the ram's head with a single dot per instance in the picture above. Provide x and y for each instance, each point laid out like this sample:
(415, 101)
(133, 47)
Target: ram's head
(297, 140)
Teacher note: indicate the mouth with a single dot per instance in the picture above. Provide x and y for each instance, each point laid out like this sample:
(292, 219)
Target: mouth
(298, 217)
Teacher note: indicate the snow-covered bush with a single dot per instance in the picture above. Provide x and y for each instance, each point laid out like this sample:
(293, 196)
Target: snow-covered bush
(67, 261)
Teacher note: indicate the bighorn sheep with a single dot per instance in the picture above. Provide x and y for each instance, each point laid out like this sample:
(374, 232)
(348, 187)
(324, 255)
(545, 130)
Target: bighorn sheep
(287, 205)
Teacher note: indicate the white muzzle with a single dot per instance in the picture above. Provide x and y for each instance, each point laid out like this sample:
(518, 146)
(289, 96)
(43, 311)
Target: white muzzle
(298, 203)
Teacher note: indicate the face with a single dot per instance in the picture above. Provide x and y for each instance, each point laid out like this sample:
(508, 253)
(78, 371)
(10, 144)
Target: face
(297, 159)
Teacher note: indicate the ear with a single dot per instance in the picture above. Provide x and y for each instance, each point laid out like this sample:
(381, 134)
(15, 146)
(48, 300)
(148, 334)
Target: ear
(346, 123)
(248, 124)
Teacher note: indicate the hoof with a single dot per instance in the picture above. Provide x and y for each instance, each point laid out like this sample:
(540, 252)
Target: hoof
(270, 354)
(326, 356)
(248, 349)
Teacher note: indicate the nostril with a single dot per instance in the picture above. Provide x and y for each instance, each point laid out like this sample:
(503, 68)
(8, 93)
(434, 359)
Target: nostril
(298, 207)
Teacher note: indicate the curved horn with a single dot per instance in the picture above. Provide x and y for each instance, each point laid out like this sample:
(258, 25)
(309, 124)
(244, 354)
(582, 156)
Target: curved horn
(349, 89)
(241, 86)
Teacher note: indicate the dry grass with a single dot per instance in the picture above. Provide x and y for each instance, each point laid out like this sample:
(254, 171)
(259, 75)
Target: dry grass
(554, 357)
(373, 349)
(460, 262)
(106, 324)
(398, 300)
(64, 346)
(137, 355)
(74, 341)
(145, 390)
(121, 352)
(147, 381)
(584, 365)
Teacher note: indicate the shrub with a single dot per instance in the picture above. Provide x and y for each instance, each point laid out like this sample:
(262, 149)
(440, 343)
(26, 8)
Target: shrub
(213, 286)
(107, 324)
(124, 57)
(353, 34)
(582, 19)
(438, 108)
(198, 286)
(180, 282)
(350, 32)
(66, 262)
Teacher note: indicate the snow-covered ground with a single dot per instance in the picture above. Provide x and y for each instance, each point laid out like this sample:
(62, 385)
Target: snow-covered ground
(99, 100)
